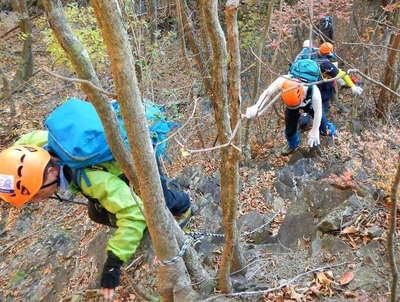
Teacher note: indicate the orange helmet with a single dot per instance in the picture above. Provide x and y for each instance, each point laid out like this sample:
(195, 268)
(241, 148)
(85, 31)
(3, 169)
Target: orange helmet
(325, 48)
(293, 97)
(21, 173)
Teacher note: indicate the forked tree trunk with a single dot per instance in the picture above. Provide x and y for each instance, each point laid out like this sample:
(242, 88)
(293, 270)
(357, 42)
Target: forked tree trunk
(229, 164)
(174, 281)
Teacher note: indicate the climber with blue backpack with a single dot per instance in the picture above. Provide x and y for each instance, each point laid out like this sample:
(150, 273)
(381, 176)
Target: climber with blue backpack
(327, 60)
(72, 154)
(296, 97)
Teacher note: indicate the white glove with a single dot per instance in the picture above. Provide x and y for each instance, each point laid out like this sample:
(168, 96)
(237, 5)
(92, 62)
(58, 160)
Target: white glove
(341, 82)
(356, 90)
(251, 111)
(313, 138)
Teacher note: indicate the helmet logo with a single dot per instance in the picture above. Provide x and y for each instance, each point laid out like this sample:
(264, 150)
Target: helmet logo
(6, 183)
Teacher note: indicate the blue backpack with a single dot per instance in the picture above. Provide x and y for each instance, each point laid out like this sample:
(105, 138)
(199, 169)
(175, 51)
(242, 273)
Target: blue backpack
(77, 137)
(306, 70)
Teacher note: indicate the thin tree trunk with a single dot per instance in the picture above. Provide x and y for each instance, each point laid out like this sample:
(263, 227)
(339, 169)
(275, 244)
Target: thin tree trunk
(229, 158)
(174, 281)
(153, 19)
(81, 62)
(181, 30)
(383, 101)
(234, 96)
(392, 233)
(25, 24)
(201, 63)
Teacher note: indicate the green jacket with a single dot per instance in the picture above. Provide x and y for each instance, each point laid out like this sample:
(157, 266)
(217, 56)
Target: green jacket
(114, 195)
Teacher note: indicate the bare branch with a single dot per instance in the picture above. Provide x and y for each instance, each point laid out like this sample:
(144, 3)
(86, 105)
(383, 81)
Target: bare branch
(82, 81)
(229, 143)
(180, 128)
(372, 80)
(369, 45)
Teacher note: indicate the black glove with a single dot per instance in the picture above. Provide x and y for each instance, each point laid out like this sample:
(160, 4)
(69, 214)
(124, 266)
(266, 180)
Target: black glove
(111, 271)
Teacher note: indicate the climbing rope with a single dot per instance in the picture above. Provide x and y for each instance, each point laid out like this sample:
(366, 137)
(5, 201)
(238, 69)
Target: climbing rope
(194, 237)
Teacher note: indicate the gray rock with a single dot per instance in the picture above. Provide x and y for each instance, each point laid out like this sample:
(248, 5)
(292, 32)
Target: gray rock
(285, 191)
(278, 204)
(334, 245)
(263, 237)
(366, 277)
(268, 197)
(211, 186)
(186, 178)
(375, 231)
(323, 197)
(298, 223)
(250, 221)
(371, 253)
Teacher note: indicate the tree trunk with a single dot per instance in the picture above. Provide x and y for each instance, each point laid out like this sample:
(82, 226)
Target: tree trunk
(174, 281)
(229, 156)
(81, 62)
(25, 24)
(383, 101)
(202, 66)
(235, 100)
(153, 19)
(181, 30)
(391, 236)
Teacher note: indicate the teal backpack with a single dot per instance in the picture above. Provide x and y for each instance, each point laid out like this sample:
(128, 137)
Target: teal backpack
(77, 136)
(306, 70)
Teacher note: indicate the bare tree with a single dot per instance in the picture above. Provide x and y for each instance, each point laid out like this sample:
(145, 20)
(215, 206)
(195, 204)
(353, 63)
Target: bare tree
(174, 281)
(227, 117)
(391, 235)
(153, 18)
(25, 24)
(25, 70)
(389, 72)
(163, 229)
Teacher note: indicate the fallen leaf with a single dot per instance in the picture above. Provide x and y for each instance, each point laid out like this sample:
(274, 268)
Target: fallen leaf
(349, 230)
(184, 152)
(346, 278)
(349, 294)
(323, 279)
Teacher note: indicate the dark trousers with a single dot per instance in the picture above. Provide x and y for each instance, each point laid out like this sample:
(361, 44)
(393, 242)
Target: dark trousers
(177, 201)
(291, 123)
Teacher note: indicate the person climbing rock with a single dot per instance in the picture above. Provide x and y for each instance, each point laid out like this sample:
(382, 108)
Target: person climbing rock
(32, 171)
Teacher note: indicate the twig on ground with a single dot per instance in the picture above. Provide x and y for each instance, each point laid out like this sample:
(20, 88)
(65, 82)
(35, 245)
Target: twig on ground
(262, 292)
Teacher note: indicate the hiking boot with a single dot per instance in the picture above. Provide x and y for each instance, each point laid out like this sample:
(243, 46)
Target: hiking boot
(184, 218)
(288, 150)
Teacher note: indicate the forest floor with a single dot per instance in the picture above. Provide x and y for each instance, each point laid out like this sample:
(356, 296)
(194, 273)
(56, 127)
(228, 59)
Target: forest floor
(361, 138)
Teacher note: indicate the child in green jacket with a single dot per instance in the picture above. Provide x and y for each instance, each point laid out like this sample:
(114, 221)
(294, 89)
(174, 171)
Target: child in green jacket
(30, 173)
